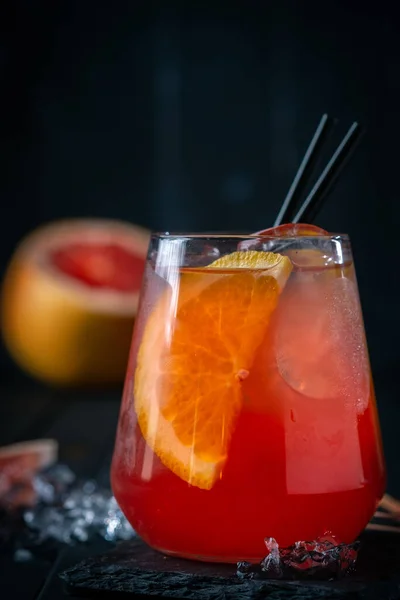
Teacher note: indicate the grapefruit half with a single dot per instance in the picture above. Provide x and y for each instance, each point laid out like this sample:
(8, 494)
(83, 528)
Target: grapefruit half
(69, 299)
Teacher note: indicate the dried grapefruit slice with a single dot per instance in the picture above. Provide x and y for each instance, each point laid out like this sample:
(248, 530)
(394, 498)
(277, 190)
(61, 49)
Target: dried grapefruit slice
(28, 457)
(194, 354)
(18, 464)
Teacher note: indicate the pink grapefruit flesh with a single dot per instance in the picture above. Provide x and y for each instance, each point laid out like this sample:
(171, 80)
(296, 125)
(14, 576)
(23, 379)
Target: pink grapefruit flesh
(293, 230)
(69, 299)
(108, 266)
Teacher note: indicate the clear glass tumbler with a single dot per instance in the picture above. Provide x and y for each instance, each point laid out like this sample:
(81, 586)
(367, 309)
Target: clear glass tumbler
(248, 409)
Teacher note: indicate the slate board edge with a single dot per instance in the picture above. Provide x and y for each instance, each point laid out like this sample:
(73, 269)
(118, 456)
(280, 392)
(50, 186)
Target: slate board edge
(87, 577)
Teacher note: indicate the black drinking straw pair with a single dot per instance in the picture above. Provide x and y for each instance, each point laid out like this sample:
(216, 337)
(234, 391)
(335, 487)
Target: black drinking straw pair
(324, 184)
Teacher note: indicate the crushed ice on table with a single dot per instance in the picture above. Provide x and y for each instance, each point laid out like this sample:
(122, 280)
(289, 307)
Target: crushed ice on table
(22, 555)
(70, 511)
(324, 558)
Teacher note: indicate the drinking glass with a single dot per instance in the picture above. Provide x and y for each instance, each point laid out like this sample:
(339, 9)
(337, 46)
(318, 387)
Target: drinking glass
(248, 409)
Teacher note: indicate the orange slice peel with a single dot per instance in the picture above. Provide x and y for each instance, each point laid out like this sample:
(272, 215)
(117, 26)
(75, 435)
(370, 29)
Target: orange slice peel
(197, 348)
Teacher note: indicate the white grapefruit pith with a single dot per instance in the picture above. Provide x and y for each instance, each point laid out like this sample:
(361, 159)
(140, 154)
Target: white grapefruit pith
(69, 299)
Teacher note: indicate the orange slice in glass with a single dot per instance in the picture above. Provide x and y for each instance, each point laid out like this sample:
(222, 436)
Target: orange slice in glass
(198, 346)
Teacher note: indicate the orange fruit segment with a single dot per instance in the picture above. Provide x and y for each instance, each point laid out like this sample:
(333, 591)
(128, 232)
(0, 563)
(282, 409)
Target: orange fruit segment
(198, 346)
(279, 267)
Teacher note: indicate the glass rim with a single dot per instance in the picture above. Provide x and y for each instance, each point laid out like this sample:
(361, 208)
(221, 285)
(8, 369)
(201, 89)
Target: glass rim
(244, 236)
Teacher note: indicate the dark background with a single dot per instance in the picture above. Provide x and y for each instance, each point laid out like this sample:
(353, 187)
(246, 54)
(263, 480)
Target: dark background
(196, 119)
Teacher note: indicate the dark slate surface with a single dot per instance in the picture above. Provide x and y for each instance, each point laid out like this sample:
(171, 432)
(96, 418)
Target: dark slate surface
(132, 569)
(30, 411)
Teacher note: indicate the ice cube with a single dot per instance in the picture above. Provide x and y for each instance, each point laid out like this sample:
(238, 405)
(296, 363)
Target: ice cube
(245, 570)
(321, 354)
(272, 564)
(89, 487)
(22, 555)
(320, 343)
(324, 558)
(44, 489)
(72, 511)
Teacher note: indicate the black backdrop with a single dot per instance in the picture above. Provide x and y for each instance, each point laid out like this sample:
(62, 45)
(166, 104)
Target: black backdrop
(196, 118)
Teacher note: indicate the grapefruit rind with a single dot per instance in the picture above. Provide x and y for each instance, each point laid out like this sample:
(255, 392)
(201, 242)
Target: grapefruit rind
(56, 328)
(201, 467)
(43, 452)
(293, 230)
(35, 250)
(278, 266)
(288, 230)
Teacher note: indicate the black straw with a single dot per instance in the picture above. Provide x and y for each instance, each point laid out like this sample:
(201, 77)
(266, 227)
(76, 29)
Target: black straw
(306, 167)
(330, 174)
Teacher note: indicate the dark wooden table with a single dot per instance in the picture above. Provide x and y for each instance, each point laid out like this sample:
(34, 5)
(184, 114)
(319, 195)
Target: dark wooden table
(84, 423)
